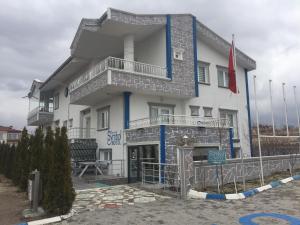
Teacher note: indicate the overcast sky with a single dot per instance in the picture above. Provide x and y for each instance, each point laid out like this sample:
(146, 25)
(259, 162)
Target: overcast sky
(35, 37)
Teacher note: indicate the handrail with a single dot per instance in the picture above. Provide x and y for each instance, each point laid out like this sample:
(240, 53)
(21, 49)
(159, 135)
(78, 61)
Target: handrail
(168, 119)
(117, 64)
(81, 133)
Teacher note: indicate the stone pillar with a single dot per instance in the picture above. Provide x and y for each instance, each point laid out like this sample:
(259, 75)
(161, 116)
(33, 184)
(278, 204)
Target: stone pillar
(186, 169)
(129, 51)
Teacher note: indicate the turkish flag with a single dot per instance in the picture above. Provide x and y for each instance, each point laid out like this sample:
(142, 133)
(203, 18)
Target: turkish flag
(231, 70)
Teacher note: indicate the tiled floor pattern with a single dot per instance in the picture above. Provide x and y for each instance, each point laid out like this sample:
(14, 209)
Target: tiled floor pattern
(112, 197)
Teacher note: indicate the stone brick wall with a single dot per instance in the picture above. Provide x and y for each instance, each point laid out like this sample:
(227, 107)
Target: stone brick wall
(205, 174)
(143, 135)
(196, 135)
(93, 85)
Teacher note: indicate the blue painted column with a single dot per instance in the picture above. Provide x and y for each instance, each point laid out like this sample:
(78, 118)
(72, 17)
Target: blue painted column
(162, 143)
(169, 47)
(249, 112)
(126, 96)
(231, 142)
(195, 56)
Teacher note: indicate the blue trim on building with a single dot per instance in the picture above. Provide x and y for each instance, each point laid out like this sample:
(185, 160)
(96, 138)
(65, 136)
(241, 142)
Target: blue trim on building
(162, 143)
(169, 47)
(126, 109)
(195, 56)
(249, 112)
(232, 153)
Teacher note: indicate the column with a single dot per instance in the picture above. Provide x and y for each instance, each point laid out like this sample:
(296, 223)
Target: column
(128, 52)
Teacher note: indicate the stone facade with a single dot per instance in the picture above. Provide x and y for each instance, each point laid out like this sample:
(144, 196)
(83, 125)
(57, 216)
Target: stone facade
(90, 87)
(136, 19)
(206, 174)
(173, 137)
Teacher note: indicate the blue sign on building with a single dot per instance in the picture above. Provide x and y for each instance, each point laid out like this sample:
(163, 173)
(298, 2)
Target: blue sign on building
(113, 137)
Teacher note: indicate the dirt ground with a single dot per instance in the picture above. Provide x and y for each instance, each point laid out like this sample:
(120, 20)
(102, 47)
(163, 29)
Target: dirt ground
(12, 202)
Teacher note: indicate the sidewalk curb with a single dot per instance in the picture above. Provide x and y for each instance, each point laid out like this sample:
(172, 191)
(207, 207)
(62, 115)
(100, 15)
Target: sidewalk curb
(54, 219)
(192, 194)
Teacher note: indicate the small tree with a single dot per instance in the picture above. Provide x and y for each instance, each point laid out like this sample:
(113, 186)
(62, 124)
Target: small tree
(9, 161)
(16, 173)
(59, 194)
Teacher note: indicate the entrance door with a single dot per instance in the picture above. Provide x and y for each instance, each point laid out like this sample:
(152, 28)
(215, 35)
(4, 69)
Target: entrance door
(136, 156)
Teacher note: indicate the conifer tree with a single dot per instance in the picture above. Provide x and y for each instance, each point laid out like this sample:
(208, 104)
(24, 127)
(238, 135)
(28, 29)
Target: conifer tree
(59, 194)
(24, 160)
(16, 173)
(46, 158)
(36, 150)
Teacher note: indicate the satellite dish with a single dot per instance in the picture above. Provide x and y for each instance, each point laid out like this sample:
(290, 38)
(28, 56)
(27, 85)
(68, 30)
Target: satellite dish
(66, 92)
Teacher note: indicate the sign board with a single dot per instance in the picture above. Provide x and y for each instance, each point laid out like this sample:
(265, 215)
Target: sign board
(217, 157)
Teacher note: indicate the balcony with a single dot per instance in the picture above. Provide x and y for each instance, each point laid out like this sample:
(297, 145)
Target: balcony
(180, 120)
(114, 75)
(40, 116)
(81, 133)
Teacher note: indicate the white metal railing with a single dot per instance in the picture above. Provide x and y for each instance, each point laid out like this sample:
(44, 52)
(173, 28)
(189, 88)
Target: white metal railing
(81, 133)
(181, 120)
(117, 64)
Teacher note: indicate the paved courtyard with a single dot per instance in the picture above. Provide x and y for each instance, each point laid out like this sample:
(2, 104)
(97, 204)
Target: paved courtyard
(284, 200)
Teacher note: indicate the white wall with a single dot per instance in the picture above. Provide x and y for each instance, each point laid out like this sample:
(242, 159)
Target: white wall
(152, 50)
(215, 97)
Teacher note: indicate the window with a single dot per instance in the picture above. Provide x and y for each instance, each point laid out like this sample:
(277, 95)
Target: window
(203, 73)
(65, 123)
(107, 155)
(231, 116)
(160, 113)
(70, 123)
(103, 118)
(223, 79)
(56, 101)
(201, 153)
(207, 111)
(194, 110)
(178, 53)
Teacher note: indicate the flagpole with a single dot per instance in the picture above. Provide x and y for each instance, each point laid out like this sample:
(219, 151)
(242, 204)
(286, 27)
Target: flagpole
(271, 101)
(297, 109)
(258, 133)
(285, 109)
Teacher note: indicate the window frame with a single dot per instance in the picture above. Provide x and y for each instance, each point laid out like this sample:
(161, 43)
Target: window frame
(195, 107)
(235, 124)
(225, 77)
(207, 108)
(206, 72)
(106, 124)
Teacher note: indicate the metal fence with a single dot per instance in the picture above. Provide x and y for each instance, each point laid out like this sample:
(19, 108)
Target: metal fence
(161, 176)
(235, 170)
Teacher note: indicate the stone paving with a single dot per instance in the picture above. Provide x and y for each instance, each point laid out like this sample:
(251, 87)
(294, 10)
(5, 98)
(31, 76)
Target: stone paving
(283, 200)
(112, 197)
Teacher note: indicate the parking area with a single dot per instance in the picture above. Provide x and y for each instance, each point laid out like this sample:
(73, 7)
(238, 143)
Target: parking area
(284, 200)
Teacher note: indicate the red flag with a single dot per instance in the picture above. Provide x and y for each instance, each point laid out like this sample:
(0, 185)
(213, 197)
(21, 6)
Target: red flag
(231, 70)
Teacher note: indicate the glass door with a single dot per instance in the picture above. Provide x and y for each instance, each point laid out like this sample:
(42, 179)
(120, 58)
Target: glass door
(136, 156)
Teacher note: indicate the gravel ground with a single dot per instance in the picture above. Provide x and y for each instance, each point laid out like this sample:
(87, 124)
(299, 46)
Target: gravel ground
(283, 200)
(12, 202)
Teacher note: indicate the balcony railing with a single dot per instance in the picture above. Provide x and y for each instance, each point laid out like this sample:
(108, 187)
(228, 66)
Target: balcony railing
(81, 133)
(181, 120)
(118, 64)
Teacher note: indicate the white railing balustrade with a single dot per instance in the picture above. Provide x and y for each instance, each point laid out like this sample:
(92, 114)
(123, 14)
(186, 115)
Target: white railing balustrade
(118, 64)
(181, 120)
(81, 133)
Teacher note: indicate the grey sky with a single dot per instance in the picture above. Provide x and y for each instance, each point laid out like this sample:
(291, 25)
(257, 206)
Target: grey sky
(35, 37)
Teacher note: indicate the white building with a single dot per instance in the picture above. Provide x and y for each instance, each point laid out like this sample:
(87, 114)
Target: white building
(138, 83)
(9, 135)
